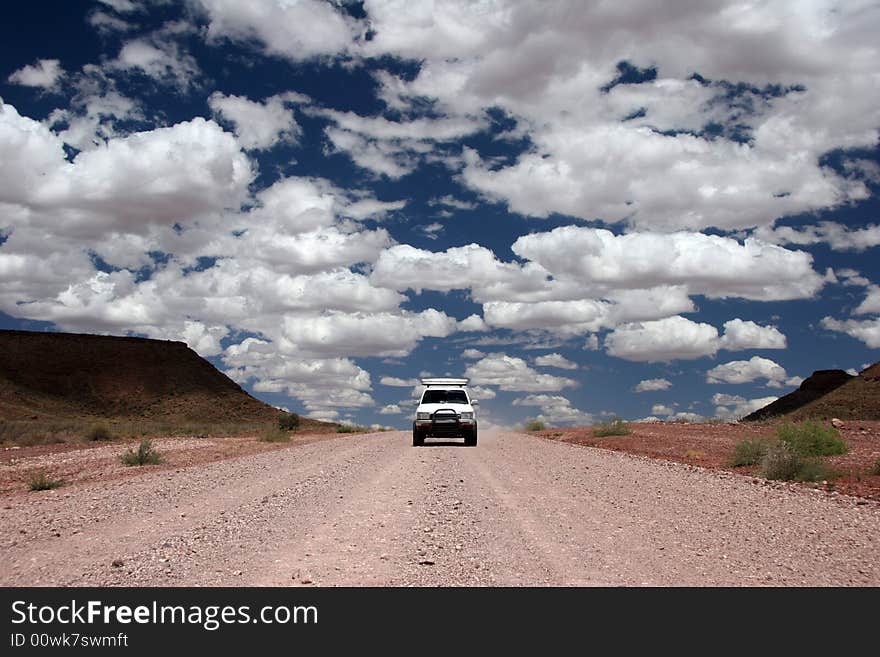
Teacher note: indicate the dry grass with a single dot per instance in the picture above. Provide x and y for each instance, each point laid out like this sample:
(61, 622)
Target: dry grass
(27, 433)
(39, 480)
(144, 455)
(615, 427)
(274, 435)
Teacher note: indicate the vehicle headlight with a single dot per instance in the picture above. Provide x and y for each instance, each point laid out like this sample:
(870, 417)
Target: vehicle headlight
(423, 416)
(467, 415)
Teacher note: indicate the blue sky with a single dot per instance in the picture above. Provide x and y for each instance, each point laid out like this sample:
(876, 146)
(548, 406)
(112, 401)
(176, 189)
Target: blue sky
(590, 209)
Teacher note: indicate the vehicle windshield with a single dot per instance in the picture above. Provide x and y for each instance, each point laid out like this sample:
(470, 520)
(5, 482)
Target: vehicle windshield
(444, 397)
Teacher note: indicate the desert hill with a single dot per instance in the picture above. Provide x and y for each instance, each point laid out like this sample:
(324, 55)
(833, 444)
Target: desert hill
(829, 394)
(64, 376)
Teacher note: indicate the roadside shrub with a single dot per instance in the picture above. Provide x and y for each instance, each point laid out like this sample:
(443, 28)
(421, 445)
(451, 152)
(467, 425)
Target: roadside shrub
(40, 481)
(615, 427)
(812, 439)
(749, 451)
(288, 421)
(535, 425)
(275, 435)
(99, 432)
(349, 428)
(815, 469)
(876, 469)
(144, 455)
(783, 463)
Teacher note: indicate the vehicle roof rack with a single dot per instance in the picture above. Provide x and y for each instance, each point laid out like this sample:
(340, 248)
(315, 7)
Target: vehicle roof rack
(444, 382)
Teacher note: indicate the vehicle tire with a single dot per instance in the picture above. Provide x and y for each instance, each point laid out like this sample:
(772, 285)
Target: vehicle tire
(470, 439)
(418, 439)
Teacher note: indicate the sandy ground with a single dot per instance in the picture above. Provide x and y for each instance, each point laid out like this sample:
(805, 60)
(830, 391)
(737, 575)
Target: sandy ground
(373, 510)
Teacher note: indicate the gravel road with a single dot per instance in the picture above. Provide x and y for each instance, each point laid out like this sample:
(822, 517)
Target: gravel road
(372, 510)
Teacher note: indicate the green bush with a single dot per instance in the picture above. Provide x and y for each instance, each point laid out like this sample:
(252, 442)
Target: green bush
(750, 451)
(99, 432)
(144, 455)
(350, 428)
(275, 435)
(812, 439)
(288, 421)
(40, 481)
(784, 463)
(616, 427)
(535, 425)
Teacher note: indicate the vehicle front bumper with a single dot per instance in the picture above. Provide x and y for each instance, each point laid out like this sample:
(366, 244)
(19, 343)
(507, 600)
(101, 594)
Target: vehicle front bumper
(444, 427)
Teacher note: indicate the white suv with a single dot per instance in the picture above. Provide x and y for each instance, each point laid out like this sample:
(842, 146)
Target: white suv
(446, 410)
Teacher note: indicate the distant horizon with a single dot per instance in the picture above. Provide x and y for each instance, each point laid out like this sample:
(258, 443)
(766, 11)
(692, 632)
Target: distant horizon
(591, 212)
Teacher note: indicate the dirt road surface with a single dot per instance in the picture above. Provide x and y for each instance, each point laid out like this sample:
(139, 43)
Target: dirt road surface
(372, 510)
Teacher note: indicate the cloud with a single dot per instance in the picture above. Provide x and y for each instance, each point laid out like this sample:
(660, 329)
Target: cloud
(675, 338)
(579, 280)
(472, 323)
(93, 116)
(555, 360)
(746, 371)
(662, 409)
(122, 6)
(555, 409)
(782, 86)
(391, 148)
(481, 392)
(295, 30)
(663, 340)
(159, 58)
(390, 409)
(398, 383)
(432, 230)
(734, 407)
(44, 74)
(685, 416)
(871, 303)
(868, 330)
(104, 23)
(370, 208)
(513, 374)
(651, 385)
(574, 316)
(838, 236)
(405, 267)
(711, 265)
(472, 353)
(258, 125)
(321, 384)
(452, 202)
(365, 334)
(161, 176)
(740, 335)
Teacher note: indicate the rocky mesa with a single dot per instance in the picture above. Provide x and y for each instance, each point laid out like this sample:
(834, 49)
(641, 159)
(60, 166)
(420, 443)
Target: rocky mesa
(63, 376)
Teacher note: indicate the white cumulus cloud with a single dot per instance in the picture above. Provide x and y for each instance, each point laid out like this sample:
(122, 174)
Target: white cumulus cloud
(746, 371)
(866, 330)
(651, 385)
(514, 374)
(555, 409)
(555, 360)
(258, 125)
(44, 74)
(663, 340)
